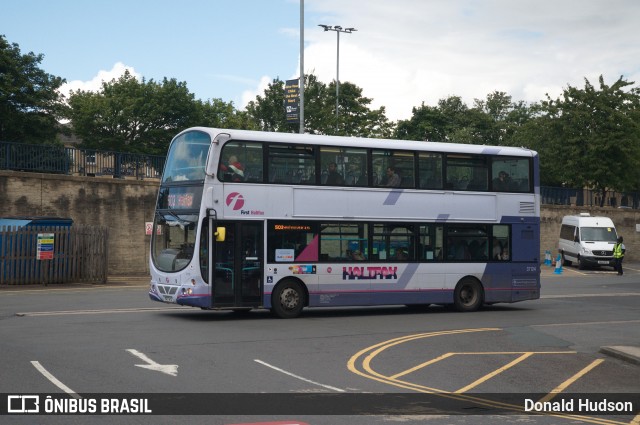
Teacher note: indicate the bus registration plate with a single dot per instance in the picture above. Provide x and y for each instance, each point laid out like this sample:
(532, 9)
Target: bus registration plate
(603, 262)
(168, 298)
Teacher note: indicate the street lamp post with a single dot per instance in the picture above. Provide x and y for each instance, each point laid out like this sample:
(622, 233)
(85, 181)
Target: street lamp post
(338, 29)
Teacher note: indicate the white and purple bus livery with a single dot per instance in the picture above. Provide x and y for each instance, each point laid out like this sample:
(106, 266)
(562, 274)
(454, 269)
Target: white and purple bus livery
(291, 221)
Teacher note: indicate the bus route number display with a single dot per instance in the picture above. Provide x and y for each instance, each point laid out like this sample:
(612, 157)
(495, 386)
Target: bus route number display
(180, 198)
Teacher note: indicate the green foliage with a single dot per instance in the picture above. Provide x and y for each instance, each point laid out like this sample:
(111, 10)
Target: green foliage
(133, 116)
(220, 114)
(593, 136)
(30, 104)
(268, 111)
(354, 118)
(494, 121)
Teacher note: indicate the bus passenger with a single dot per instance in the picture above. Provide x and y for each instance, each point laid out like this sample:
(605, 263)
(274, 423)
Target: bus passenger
(401, 254)
(334, 178)
(234, 170)
(393, 179)
(501, 184)
(497, 249)
(355, 255)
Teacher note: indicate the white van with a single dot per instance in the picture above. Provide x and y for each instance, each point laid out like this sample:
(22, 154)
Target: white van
(587, 240)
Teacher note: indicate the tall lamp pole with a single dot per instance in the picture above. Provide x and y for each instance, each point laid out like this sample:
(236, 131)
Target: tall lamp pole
(301, 83)
(338, 29)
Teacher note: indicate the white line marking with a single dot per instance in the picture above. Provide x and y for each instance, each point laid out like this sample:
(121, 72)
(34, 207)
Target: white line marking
(107, 311)
(299, 377)
(169, 369)
(612, 294)
(614, 322)
(54, 380)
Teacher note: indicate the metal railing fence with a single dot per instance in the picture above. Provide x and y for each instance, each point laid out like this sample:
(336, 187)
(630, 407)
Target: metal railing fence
(79, 161)
(589, 198)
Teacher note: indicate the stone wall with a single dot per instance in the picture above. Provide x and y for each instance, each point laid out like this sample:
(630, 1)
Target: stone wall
(126, 205)
(122, 205)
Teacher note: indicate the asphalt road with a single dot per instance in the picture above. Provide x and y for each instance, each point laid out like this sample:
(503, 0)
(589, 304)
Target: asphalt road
(88, 342)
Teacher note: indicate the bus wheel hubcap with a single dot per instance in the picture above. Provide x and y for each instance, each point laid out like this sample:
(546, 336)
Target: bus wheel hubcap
(289, 298)
(468, 295)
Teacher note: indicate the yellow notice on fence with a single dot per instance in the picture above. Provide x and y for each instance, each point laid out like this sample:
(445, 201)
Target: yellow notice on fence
(45, 246)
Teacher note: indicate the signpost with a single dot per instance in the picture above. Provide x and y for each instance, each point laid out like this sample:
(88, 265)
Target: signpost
(292, 101)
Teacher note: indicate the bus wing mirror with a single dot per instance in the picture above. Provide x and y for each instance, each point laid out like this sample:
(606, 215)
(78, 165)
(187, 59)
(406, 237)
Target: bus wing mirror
(221, 234)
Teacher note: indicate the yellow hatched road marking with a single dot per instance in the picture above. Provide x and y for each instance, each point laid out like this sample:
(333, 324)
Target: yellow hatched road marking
(494, 373)
(557, 390)
(479, 353)
(360, 364)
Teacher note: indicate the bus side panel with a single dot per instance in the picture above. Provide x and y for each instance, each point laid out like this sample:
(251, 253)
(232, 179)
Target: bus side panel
(511, 282)
(525, 237)
(411, 283)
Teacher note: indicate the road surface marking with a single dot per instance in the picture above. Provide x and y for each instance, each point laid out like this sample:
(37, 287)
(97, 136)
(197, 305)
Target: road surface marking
(360, 364)
(611, 294)
(55, 381)
(557, 390)
(494, 373)
(169, 369)
(105, 311)
(299, 377)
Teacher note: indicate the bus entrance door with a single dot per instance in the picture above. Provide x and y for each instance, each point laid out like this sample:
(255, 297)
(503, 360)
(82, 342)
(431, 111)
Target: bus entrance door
(237, 280)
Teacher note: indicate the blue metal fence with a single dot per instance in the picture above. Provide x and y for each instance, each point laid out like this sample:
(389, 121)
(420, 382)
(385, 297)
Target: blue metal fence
(78, 161)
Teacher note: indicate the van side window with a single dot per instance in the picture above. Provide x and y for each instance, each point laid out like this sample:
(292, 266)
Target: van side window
(567, 231)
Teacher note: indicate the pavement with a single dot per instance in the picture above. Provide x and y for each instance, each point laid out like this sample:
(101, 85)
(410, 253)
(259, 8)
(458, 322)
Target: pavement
(627, 353)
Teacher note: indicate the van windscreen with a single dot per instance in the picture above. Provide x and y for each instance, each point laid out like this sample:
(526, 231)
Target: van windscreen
(598, 234)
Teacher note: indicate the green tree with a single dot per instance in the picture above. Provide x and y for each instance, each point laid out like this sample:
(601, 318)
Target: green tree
(355, 118)
(502, 118)
(426, 124)
(591, 137)
(268, 111)
(492, 121)
(451, 121)
(133, 116)
(221, 114)
(30, 104)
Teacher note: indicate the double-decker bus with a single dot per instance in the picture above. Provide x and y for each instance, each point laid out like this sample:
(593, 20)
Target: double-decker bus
(282, 221)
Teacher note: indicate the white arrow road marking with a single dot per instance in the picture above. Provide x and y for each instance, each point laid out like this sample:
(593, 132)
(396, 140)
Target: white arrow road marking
(169, 369)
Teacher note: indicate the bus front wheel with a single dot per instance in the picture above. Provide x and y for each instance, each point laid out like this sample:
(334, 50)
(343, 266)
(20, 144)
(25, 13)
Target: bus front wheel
(287, 300)
(468, 295)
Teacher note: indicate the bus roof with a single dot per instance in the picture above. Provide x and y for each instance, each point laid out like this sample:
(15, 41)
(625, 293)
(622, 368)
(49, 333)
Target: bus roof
(362, 142)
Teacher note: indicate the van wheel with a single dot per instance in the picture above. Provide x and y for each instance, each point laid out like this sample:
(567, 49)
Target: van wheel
(580, 264)
(565, 262)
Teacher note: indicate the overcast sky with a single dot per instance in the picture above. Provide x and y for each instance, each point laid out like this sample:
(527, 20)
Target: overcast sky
(404, 52)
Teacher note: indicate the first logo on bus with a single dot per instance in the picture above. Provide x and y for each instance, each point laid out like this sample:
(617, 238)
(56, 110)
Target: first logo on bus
(235, 200)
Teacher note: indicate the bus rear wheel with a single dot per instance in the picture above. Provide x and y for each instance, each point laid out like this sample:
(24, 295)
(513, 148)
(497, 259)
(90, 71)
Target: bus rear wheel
(287, 300)
(468, 295)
